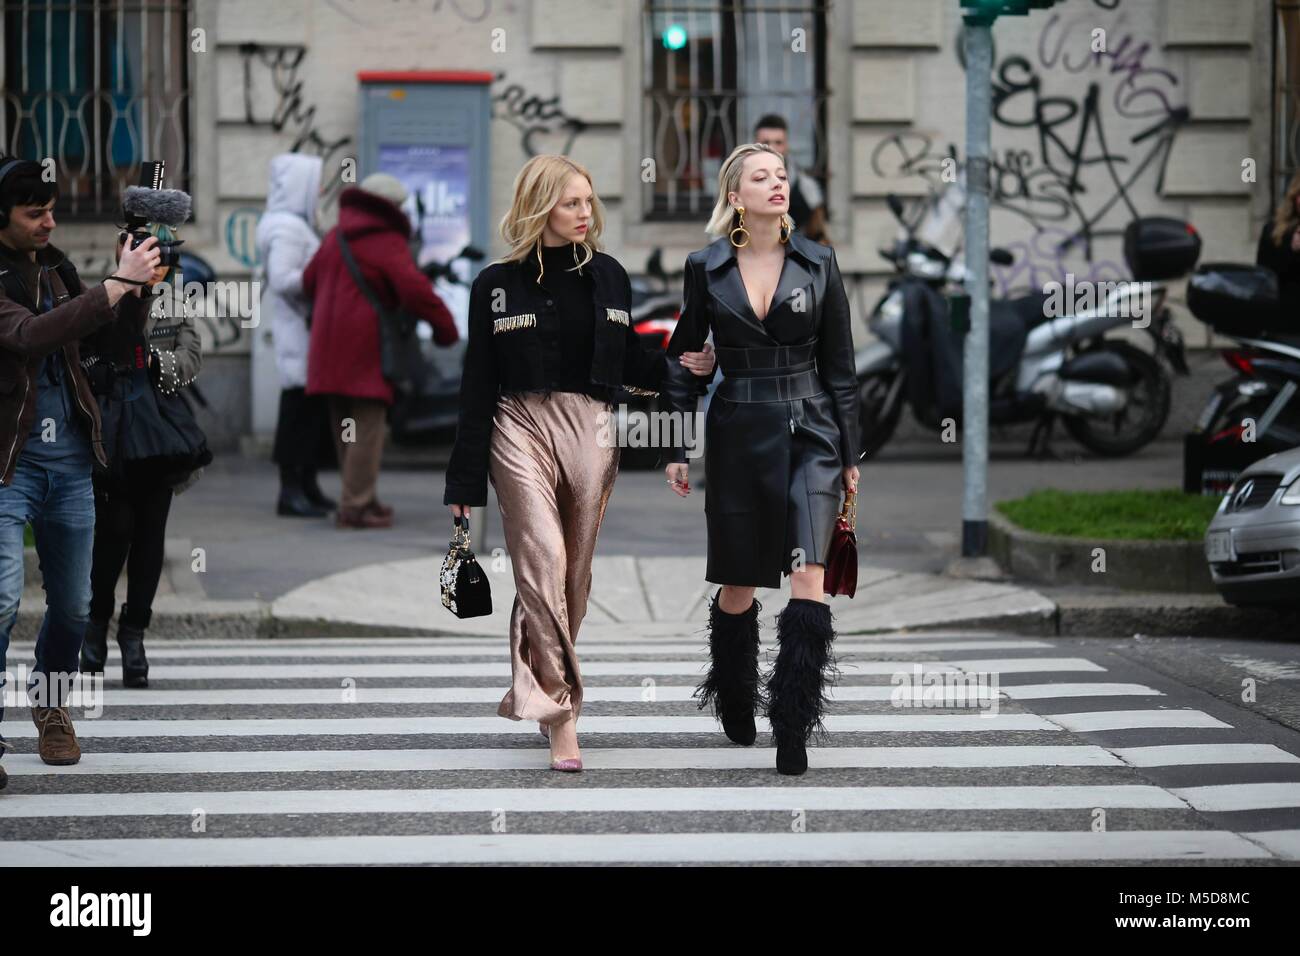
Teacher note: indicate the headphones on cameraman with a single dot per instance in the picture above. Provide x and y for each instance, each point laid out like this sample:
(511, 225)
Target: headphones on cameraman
(5, 170)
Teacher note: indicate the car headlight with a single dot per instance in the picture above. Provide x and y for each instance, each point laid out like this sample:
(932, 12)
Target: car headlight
(1292, 495)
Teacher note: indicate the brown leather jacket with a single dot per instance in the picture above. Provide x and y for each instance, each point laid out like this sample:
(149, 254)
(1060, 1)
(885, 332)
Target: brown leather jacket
(26, 338)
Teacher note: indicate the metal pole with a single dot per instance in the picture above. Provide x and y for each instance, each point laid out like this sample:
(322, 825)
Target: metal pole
(975, 385)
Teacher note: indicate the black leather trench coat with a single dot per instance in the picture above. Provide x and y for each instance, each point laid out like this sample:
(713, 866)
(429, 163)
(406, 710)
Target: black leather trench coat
(783, 423)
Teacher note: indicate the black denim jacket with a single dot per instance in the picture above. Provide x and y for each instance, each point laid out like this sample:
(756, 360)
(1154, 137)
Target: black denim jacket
(514, 346)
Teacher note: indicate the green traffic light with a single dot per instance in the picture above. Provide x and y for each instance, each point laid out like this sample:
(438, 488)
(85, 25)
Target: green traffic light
(984, 12)
(674, 37)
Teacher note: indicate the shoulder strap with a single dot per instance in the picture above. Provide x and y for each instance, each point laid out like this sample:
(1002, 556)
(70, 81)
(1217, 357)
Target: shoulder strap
(71, 281)
(351, 263)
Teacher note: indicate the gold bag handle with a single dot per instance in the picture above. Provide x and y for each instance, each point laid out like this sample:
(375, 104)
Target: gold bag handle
(849, 511)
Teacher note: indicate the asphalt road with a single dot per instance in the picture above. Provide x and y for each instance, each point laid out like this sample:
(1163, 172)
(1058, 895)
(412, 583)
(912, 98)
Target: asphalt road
(1100, 752)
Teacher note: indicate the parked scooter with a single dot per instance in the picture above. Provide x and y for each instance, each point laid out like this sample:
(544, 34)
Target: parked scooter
(1256, 412)
(1112, 396)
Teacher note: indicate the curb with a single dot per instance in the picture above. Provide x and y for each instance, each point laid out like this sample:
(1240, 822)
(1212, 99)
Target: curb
(1177, 567)
(1111, 616)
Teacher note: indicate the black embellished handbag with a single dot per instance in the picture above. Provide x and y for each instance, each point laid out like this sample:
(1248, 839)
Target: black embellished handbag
(465, 590)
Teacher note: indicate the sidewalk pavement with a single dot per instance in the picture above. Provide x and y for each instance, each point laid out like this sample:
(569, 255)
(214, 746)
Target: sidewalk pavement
(649, 596)
(264, 576)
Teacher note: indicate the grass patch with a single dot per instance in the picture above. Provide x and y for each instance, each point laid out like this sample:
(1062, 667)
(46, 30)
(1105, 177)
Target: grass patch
(1163, 515)
(28, 540)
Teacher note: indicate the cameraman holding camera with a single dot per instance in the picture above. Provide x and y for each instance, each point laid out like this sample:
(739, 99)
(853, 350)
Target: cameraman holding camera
(49, 436)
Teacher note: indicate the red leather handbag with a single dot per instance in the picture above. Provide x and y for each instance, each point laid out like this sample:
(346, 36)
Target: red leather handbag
(841, 575)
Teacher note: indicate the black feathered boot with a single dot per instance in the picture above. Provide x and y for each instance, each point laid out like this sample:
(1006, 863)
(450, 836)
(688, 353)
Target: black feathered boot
(796, 688)
(94, 647)
(130, 639)
(732, 684)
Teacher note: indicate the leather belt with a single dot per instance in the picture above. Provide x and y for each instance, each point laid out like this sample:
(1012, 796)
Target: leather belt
(781, 387)
(732, 360)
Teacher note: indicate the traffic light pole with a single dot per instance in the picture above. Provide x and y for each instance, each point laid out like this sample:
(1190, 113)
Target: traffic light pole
(975, 378)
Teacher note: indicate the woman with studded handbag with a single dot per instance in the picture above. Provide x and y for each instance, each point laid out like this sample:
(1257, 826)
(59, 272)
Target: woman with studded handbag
(549, 340)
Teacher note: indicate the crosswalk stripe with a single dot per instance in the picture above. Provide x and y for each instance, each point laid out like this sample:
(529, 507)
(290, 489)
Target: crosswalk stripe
(593, 758)
(1134, 719)
(1285, 844)
(662, 693)
(1241, 796)
(1188, 755)
(501, 668)
(587, 651)
(606, 800)
(901, 846)
(331, 675)
(398, 645)
(400, 726)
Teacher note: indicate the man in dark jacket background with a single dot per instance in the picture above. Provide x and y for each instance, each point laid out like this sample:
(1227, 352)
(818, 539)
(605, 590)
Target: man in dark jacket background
(49, 437)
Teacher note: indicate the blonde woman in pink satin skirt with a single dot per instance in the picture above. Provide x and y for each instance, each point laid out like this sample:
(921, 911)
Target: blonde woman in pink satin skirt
(550, 341)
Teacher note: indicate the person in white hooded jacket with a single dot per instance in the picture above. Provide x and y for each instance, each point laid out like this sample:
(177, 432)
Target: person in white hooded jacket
(286, 241)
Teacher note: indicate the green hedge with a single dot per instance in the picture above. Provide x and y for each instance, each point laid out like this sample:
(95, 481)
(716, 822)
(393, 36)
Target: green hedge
(1165, 514)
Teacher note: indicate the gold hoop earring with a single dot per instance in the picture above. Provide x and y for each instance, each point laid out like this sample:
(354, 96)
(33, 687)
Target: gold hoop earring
(787, 227)
(740, 211)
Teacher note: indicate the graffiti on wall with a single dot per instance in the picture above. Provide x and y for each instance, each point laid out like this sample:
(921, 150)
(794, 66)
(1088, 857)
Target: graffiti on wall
(291, 111)
(470, 11)
(543, 124)
(1075, 179)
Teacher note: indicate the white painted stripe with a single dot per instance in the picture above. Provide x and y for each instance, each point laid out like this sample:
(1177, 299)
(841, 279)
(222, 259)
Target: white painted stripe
(622, 635)
(1282, 843)
(1186, 755)
(663, 693)
(666, 724)
(501, 668)
(496, 648)
(1133, 719)
(486, 847)
(593, 758)
(568, 800)
(1099, 689)
(1241, 796)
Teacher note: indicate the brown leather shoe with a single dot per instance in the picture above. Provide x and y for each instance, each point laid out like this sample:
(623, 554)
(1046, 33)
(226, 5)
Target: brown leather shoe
(361, 518)
(58, 741)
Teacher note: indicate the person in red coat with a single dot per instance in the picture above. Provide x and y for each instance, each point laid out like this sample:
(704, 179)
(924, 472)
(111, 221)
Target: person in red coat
(343, 358)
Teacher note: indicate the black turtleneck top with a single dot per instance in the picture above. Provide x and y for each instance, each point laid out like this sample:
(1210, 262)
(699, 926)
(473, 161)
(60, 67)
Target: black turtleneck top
(577, 317)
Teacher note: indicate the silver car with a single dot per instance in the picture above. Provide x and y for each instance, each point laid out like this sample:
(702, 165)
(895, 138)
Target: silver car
(1253, 543)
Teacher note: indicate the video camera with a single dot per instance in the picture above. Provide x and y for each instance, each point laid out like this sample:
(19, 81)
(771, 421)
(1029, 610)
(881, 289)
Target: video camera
(149, 202)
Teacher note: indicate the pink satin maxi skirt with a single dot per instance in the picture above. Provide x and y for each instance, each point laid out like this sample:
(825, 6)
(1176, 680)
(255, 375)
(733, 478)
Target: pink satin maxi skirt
(552, 480)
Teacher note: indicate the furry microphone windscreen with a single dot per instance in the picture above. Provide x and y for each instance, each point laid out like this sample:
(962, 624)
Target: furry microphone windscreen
(170, 207)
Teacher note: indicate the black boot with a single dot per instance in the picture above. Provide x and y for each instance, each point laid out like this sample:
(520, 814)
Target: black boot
(796, 688)
(311, 488)
(130, 639)
(94, 647)
(732, 681)
(294, 502)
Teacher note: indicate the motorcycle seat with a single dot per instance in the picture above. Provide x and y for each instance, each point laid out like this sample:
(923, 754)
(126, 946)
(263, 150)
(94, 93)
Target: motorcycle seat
(1030, 308)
